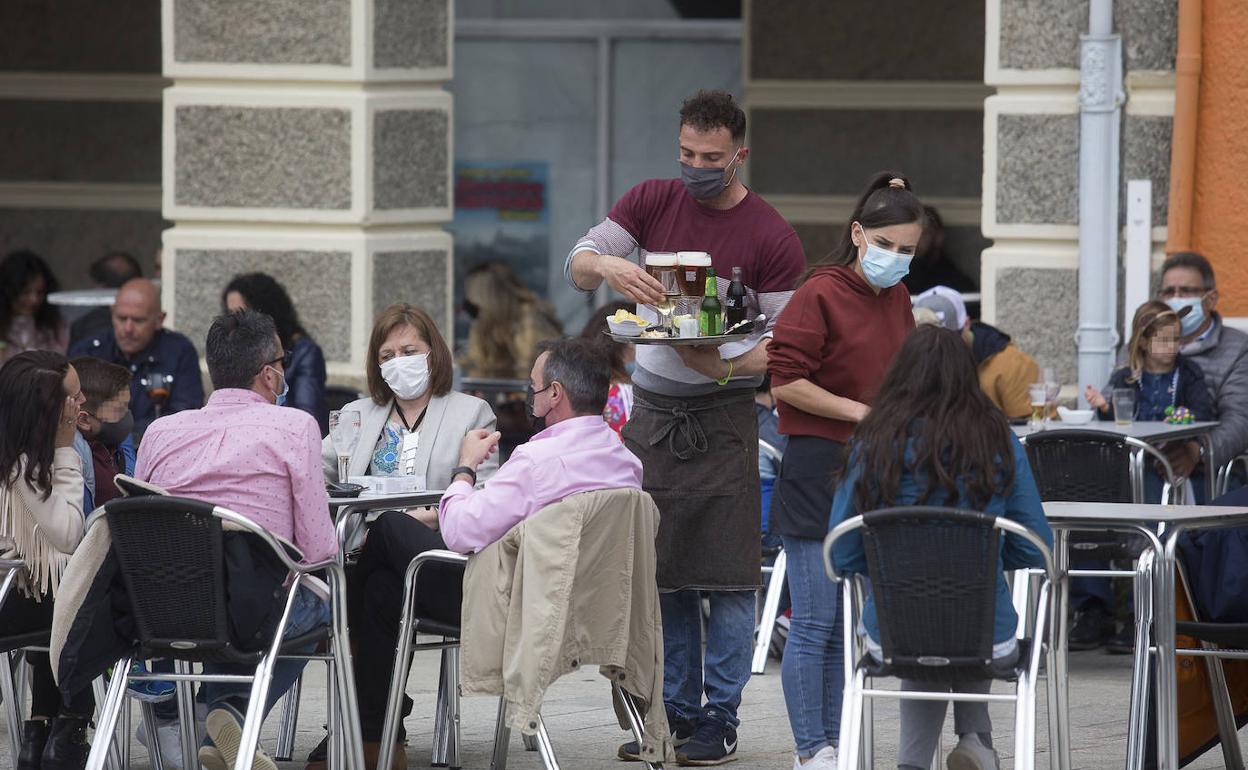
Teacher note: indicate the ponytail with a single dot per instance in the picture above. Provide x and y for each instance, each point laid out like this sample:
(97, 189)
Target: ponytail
(888, 200)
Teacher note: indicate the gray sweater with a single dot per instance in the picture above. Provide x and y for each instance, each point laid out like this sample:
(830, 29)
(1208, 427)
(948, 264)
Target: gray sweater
(1223, 357)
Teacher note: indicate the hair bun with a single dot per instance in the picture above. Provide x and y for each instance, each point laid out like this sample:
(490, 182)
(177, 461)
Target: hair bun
(898, 183)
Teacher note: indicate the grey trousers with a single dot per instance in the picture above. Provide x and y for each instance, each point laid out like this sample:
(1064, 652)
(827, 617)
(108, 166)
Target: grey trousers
(922, 721)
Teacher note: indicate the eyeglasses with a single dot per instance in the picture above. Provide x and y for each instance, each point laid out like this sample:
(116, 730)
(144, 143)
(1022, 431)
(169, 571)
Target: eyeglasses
(1170, 292)
(284, 359)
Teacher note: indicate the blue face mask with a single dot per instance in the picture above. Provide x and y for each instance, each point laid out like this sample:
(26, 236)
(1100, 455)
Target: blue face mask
(1189, 323)
(281, 397)
(883, 268)
(630, 367)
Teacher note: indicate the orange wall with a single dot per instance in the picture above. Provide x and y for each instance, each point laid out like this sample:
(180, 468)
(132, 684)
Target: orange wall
(1220, 205)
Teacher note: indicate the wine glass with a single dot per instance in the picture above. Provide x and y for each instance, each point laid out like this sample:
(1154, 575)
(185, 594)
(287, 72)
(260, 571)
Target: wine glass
(344, 432)
(671, 293)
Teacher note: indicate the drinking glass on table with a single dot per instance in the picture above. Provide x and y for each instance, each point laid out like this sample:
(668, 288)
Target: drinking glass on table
(1123, 400)
(158, 387)
(1052, 389)
(344, 432)
(1038, 395)
(671, 294)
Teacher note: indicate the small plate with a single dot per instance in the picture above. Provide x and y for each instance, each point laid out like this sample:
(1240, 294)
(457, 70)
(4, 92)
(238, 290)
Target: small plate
(625, 329)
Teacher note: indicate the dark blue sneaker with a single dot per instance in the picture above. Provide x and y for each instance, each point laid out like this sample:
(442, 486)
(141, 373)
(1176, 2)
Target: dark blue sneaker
(714, 742)
(681, 730)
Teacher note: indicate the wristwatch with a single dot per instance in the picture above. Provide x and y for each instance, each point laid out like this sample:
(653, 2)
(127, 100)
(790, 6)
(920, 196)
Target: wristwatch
(464, 469)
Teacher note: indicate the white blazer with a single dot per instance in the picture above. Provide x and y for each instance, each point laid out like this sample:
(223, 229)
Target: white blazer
(447, 420)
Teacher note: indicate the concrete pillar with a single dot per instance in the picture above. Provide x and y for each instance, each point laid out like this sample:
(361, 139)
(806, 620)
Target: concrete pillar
(1031, 158)
(311, 141)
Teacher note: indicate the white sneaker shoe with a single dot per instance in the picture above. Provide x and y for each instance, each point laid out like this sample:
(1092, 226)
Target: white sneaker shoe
(170, 738)
(824, 759)
(972, 754)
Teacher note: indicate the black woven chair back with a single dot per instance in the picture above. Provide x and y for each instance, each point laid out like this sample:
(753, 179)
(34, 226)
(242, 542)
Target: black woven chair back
(1089, 467)
(933, 577)
(170, 553)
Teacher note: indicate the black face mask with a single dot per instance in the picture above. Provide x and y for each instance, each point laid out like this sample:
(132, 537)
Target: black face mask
(538, 423)
(471, 309)
(113, 433)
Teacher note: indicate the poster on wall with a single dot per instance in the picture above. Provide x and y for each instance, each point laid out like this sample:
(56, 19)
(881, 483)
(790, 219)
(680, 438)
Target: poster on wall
(501, 215)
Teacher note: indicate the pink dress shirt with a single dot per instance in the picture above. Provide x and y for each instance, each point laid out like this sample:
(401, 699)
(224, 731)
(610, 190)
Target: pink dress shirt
(243, 453)
(577, 455)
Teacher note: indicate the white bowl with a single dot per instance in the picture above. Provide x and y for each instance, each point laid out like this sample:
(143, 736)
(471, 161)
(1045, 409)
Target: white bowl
(1076, 416)
(626, 328)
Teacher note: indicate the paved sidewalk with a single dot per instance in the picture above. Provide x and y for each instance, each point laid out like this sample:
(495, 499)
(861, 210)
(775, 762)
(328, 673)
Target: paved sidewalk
(584, 732)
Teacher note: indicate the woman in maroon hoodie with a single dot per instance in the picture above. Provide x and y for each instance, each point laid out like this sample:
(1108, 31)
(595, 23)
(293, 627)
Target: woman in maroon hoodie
(832, 345)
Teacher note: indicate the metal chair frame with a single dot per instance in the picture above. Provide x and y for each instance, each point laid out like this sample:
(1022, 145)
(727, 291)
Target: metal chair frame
(344, 720)
(773, 591)
(1224, 473)
(856, 738)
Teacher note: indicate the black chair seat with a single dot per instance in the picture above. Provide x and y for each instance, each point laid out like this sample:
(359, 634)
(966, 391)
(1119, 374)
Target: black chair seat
(1221, 634)
(950, 673)
(437, 628)
(232, 654)
(30, 639)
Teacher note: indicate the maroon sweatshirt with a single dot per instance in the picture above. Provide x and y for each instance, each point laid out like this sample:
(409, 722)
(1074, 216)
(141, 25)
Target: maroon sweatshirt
(842, 336)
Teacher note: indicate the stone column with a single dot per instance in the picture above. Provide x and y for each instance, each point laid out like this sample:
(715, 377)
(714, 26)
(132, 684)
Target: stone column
(311, 141)
(1031, 159)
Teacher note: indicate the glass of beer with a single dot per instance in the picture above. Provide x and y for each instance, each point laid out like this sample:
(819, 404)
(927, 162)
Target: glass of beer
(1039, 398)
(692, 272)
(659, 260)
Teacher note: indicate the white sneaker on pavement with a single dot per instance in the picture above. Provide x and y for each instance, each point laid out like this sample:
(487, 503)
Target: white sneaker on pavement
(972, 754)
(170, 738)
(824, 759)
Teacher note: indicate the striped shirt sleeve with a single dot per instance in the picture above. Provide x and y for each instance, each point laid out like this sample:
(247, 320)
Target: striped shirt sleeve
(606, 237)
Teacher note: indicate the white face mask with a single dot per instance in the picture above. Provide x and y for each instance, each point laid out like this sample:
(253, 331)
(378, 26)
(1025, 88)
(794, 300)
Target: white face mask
(407, 376)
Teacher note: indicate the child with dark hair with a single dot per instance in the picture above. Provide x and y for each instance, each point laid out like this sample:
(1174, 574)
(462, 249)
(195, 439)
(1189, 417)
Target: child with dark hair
(105, 425)
(831, 348)
(27, 320)
(621, 356)
(957, 451)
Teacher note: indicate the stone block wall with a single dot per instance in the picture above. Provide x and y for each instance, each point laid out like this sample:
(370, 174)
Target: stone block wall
(311, 141)
(80, 126)
(1031, 158)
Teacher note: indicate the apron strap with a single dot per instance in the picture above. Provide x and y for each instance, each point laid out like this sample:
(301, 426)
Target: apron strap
(681, 424)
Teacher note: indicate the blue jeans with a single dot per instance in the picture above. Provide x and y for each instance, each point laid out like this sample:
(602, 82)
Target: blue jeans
(812, 671)
(306, 613)
(729, 645)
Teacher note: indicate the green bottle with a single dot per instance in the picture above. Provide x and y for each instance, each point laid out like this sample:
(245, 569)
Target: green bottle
(711, 314)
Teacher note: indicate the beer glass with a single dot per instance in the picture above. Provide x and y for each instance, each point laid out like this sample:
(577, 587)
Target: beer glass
(692, 272)
(344, 433)
(158, 390)
(1123, 400)
(1039, 396)
(659, 260)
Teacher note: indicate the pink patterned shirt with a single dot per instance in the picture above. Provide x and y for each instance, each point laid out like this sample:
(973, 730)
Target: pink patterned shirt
(243, 453)
(577, 455)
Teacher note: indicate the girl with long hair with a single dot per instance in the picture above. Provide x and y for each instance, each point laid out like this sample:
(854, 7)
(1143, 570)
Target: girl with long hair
(621, 356)
(509, 320)
(306, 373)
(832, 345)
(27, 320)
(934, 438)
(41, 523)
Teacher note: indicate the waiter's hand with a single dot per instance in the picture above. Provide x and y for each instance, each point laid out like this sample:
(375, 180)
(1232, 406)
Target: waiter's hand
(1184, 456)
(477, 445)
(703, 359)
(626, 277)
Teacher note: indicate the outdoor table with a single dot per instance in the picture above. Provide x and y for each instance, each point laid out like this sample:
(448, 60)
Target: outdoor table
(1160, 525)
(351, 507)
(1149, 433)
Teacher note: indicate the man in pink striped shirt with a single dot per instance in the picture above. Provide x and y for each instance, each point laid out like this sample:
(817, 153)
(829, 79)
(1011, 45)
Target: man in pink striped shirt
(241, 451)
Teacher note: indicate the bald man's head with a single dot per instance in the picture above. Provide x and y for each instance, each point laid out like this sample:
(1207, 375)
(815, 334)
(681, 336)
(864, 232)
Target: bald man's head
(136, 315)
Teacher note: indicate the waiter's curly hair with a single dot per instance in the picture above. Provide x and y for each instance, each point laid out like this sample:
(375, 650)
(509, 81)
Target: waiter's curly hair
(708, 110)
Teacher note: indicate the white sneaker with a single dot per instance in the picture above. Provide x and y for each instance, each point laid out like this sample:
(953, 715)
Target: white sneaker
(824, 759)
(972, 754)
(170, 738)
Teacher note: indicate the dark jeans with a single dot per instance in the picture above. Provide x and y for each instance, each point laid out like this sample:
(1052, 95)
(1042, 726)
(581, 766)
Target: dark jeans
(23, 615)
(375, 596)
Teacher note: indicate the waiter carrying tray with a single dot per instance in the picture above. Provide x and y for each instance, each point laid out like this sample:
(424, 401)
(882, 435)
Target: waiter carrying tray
(693, 424)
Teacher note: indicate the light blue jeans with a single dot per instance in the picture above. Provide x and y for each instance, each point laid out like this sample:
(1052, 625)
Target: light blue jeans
(729, 645)
(306, 613)
(813, 669)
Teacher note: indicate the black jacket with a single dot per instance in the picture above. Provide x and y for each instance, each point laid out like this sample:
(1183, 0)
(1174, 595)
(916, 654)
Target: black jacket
(306, 377)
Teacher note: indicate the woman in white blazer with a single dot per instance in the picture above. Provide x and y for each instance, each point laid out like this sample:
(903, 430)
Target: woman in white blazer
(409, 384)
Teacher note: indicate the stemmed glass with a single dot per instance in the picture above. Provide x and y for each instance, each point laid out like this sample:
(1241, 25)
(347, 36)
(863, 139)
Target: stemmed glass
(1052, 389)
(344, 432)
(671, 293)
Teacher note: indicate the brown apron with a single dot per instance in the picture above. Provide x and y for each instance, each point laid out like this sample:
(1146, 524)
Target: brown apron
(699, 459)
